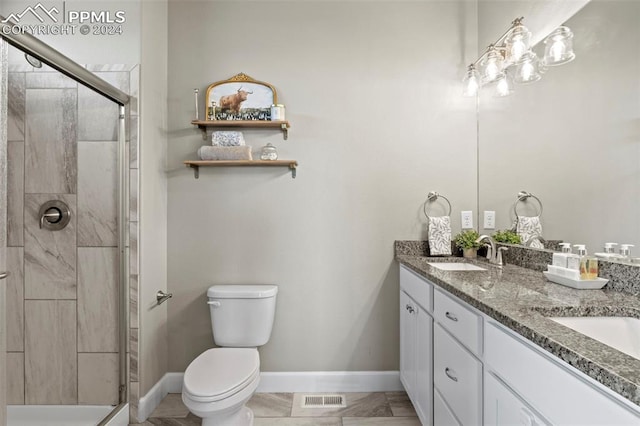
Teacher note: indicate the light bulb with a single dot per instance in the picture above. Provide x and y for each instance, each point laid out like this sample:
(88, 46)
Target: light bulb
(471, 82)
(491, 70)
(503, 87)
(559, 47)
(557, 50)
(527, 71)
(517, 50)
(492, 65)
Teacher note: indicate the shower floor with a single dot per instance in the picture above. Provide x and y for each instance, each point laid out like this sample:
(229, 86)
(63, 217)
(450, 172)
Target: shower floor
(60, 415)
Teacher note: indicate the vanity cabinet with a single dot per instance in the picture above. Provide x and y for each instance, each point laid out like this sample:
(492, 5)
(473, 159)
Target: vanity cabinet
(416, 343)
(461, 367)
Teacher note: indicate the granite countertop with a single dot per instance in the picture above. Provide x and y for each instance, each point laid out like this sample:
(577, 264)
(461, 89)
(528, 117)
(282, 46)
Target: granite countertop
(521, 299)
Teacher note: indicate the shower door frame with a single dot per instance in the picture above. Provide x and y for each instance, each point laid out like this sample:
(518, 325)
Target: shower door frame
(56, 60)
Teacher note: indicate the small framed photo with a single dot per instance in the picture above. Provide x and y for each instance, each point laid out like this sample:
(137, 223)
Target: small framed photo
(240, 98)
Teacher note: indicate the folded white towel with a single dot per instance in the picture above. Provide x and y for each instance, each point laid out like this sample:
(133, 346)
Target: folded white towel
(207, 152)
(227, 138)
(440, 235)
(528, 227)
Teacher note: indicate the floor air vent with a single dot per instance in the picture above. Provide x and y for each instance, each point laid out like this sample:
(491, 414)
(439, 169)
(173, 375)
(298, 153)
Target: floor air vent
(324, 401)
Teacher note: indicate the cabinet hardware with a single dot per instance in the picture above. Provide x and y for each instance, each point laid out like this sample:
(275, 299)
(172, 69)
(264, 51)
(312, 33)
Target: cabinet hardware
(449, 374)
(451, 316)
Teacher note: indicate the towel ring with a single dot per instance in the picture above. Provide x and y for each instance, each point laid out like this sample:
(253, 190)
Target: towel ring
(522, 197)
(432, 197)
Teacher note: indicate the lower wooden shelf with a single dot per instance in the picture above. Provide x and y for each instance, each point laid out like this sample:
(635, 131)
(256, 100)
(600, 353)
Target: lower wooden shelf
(196, 164)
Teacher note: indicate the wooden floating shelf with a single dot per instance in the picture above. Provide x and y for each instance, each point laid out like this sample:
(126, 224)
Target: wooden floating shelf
(256, 124)
(196, 164)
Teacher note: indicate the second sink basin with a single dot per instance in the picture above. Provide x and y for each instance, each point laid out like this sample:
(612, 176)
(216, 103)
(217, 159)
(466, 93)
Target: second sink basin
(621, 333)
(455, 266)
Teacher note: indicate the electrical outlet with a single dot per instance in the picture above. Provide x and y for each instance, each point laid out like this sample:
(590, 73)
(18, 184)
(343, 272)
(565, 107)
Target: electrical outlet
(467, 219)
(489, 219)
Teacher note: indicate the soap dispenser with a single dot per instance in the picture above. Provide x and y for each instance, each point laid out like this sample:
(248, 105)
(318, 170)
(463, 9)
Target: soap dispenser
(625, 251)
(609, 252)
(588, 265)
(561, 259)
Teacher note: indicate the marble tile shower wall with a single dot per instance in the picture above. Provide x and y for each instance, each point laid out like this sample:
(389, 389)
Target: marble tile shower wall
(62, 294)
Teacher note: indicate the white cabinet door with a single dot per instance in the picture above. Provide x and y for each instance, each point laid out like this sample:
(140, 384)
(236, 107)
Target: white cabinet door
(503, 408)
(442, 416)
(423, 401)
(407, 344)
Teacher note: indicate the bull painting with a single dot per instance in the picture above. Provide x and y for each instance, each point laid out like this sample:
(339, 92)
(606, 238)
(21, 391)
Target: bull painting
(233, 102)
(241, 98)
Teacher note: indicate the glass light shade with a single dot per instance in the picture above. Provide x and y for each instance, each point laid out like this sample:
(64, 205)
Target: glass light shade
(471, 82)
(503, 85)
(558, 48)
(518, 43)
(528, 70)
(492, 65)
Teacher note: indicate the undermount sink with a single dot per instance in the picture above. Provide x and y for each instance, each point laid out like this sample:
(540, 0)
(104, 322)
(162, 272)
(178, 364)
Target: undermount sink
(621, 333)
(455, 266)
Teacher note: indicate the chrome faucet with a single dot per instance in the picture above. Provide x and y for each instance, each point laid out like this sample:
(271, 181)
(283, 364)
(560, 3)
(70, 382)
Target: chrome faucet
(494, 255)
(534, 238)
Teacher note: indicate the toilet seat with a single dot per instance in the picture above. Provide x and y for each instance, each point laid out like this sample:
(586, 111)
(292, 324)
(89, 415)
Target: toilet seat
(219, 373)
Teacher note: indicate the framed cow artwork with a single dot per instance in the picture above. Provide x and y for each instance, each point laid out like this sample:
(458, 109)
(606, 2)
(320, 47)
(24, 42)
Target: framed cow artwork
(240, 98)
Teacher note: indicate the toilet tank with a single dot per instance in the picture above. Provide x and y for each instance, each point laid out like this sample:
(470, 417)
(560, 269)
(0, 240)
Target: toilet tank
(242, 315)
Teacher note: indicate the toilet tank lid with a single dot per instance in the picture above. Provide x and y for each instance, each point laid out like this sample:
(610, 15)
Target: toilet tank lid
(242, 291)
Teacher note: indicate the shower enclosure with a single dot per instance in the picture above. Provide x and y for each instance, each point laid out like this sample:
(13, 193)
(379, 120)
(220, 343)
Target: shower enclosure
(63, 237)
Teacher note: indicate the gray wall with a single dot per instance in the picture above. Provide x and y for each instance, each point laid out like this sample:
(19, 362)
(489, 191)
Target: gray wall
(372, 90)
(153, 194)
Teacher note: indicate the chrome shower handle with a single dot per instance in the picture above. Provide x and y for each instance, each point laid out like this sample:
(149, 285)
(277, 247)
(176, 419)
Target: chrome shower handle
(52, 215)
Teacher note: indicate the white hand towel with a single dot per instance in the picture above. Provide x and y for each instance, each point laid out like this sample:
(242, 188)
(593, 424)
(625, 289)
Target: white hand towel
(528, 227)
(207, 152)
(227, 138)
(440, 235)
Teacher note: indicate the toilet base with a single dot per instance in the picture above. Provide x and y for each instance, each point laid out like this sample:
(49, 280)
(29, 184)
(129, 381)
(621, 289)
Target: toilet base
(242, 417)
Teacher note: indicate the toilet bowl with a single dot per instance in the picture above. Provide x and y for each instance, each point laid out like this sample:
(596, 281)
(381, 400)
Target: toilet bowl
(219, 382)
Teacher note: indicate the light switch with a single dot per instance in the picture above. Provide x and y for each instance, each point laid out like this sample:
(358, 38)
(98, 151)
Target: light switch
(489, 219)
(467, 219)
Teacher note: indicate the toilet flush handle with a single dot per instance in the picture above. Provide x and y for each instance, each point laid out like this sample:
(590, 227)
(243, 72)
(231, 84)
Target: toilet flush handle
(214, 303)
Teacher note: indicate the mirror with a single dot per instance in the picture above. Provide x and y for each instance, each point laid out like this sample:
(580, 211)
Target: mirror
(573, 138)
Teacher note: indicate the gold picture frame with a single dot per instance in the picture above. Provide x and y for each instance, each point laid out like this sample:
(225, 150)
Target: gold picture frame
(240, 98)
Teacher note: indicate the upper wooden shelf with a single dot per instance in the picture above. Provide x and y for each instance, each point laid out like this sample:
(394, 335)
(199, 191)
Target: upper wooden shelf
(280, 124)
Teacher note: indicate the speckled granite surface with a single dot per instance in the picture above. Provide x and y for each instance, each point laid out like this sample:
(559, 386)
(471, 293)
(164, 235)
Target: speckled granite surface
(521, 299)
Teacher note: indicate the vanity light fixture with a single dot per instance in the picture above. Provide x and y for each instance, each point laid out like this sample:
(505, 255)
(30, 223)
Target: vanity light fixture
(510, 58)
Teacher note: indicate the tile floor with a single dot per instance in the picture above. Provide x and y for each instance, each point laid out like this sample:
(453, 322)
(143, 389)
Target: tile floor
(285, 409)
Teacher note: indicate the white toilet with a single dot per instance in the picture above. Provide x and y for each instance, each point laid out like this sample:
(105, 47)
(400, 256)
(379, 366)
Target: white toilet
(219, 382)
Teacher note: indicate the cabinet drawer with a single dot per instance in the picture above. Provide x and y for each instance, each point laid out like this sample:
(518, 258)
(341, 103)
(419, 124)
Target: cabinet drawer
(442, 416)
(457, 375)
(417, 287)
(459, 320)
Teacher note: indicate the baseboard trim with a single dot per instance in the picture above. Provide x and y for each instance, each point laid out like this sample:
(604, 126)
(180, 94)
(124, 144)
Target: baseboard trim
(151, 400)
(330, 381)
(287, 381)
(314, 381)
